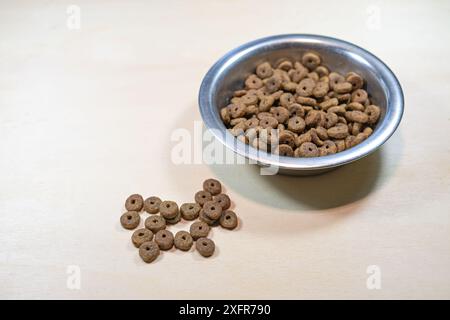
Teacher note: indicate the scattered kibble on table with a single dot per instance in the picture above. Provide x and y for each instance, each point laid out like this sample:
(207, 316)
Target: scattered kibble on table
(211, 208)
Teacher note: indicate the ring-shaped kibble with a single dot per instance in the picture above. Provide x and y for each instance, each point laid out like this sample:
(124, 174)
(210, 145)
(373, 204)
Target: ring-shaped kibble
(130, 220)
(155, 223)
(164, 239)
(201, 197)
(237, 110)
(253, 82)
(149, 251)
(284, 150)
(339, 131)
(190, 211)
(322, 71)
(264, 70)
(174, 220)
(355, 79)
(280, 113)
(311, 60)
(307, 149)
(212, 186)
(223, 200)
(203, 217)
(199, 229)
(168, 209)
(286, 137)
(140, 236)
(268, 122)
(360, 96)
(373, 112)
(135, 202)
(252, 122)
(312, 118)
(272, 84)
(265, 103)
(249, 99)
(296, 124)
(305, 87)
(343, 87)
(286, 99)
(356, 116)
(296, 109)
(331, 120)
(151, 205)
(321, 89)
(298, 74)
(329, 146)
(228, 220)
(205, 247)
(335, 78)
(183, 240)
(212, 210)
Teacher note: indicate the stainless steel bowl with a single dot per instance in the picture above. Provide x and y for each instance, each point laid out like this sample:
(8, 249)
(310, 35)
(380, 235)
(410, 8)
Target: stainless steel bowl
(228, 74)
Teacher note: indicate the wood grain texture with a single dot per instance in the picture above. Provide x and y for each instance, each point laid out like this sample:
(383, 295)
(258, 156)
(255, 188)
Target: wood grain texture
(86, 118)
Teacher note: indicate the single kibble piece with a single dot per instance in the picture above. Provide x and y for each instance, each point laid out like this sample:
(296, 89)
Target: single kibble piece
(190, 211)
(149, 251)
(155, 223)
(223, 200)
(130, 220)
(164, 239)
(212, 186)
(151, 205)
(205, 247)
(311, 60)
(135, 202)
(228, 220)
(307, 149)
(168, 209)
(199, 229)
(140, 236)
(174, 220)
(212, 210)
(203, 217)
(183, 240)
(202, 197)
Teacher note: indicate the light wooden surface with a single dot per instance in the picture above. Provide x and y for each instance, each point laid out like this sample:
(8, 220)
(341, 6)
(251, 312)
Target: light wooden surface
(86, 117)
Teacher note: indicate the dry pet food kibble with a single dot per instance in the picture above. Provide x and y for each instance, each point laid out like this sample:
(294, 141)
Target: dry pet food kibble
(299, 109)
(199, 229)
(135, 202)
(149, 251)
(155, 223)
(130, 220)
(183, 240)
(140, 236)
(151, 205)
(164, 239)
(211, 206)
(205, 247)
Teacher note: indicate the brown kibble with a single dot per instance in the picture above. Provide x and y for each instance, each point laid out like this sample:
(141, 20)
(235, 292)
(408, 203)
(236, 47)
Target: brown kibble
(183, 240)
(249, 99)
(315, 138)
(296, 109)
(328, 147)
(140, 236)
(287, 137)
(307, 149)
(331, 120)
(273, 84)
(212, 186)
(237, 110)
(305, 87)
(335, 78)
(356, 116)
(280, 113)
(225, 115)
(212, 210)
(312, 118)
(205, 247)
(322, 71)
(321, 89)
(149, 251)
(155, 223)
(306, 137)
(135, 202)
(311, 60)
(340, 145)
(190, 211)
(338, 131)
(327, 104)
(342, 87)
(223, 200)
(199, 229)
(266, 102)
(285, 65)
(264, 70)
(306, 101)
(373, 112)
(151, 205)
(296, 124)
(164, 239)
(228, 220)
(360, 96)
(268, 122)
(355, 79)
(130, 220)
(355, 106)
(253, 82)
(284, 150)
(286, 99)
(168, 209)
(202, 197)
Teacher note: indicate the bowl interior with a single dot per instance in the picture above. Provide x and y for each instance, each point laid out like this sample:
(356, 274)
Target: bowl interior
(230, 72)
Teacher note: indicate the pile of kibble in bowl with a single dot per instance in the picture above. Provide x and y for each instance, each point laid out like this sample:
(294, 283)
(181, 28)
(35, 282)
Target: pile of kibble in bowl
(211, 208)
(301, 109)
